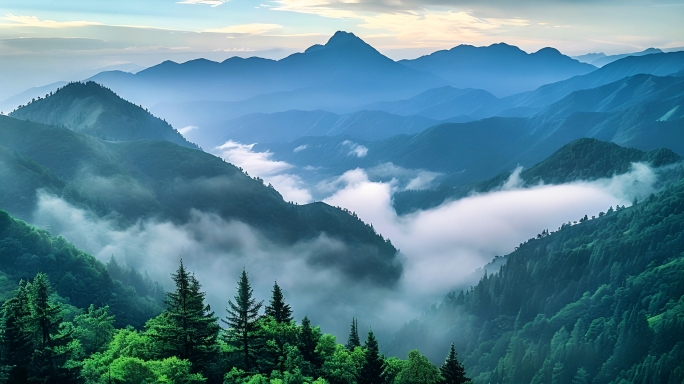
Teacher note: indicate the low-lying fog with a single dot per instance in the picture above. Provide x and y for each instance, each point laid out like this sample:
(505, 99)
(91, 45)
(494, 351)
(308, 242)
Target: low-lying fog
(440, 248)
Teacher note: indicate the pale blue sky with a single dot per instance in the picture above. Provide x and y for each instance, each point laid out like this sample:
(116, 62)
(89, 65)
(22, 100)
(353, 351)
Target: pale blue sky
(43, 40)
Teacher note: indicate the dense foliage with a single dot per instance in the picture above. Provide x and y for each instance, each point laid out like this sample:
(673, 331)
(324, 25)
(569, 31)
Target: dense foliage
(184, 344)
(600, 301)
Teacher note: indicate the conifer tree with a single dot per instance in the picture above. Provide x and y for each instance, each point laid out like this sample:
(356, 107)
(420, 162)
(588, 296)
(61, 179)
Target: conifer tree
(373, 367)
(452, 370)
(353, 341)
(242, 318)
(281, 312)
(308, 340)
(188, 329)
(17, 338)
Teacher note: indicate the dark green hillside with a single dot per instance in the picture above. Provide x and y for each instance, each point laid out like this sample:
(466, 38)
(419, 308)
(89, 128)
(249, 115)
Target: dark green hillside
(95, 110)
(583, 159)
(77, 277)
(158, 179)
(601, 301)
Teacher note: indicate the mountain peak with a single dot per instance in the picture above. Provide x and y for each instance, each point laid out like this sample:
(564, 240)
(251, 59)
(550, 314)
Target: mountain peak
(344, 38)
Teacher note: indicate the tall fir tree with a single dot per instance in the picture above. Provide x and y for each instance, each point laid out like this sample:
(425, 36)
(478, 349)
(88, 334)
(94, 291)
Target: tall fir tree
(452, 370)
(374, 364)
(51, 344)
(17, 338)
(188, 328)
(243, 332)
(277, 308)
(308, 340)
(353, 341)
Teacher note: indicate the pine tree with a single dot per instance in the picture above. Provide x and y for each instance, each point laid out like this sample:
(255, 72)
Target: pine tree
(373, 367)
(242, 322)
(189, 328)
(51, 344)
(17, 338)
(277, 308)
(353, 341)
(308, 340)
(452, 370)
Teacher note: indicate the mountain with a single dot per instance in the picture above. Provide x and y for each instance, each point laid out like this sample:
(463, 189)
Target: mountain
(78, 278)
(659, 64)
(589, 57)
(345, 70)
(127, 182)
(581, 160)
(599, 301)
(501, 69)
(95, 110)
(443, 103)
(601, 61)
(641, 112)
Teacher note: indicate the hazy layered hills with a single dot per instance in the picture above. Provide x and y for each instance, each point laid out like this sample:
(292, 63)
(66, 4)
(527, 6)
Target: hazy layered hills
(600, 59)
(501, 69)
(159, 180)
(659, 64)
(641, 112)
(95, 110)
(581, 160)
(287, 126)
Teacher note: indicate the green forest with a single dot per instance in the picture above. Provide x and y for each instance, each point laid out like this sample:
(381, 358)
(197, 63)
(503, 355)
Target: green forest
(45, 341)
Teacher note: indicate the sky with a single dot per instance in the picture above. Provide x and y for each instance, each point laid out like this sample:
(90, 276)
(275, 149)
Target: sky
(46, 41)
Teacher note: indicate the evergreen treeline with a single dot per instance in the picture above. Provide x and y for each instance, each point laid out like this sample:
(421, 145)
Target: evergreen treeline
(599, 301)
(185, 344)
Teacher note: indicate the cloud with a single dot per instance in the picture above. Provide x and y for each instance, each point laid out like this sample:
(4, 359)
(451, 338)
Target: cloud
(33, 21)
(449, 242)
(357, 150)
(213, 3)
(259, 164)
(247, 29)
(300, 148)
(187, 129)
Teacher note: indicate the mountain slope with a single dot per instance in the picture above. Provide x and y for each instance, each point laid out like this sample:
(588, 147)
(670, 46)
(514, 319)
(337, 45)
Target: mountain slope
(660, 64)
(600, 301)
(581, 160)
(76, 276)
(92, 109)
(443, 103)
(137, 180)
(501, 69)
(601, 61)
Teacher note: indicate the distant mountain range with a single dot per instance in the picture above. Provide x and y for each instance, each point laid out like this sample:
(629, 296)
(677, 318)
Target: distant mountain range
(601, 59)
(95, 110)
(501, 69)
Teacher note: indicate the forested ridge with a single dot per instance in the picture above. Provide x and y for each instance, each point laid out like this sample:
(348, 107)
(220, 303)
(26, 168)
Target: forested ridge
(599, 301)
